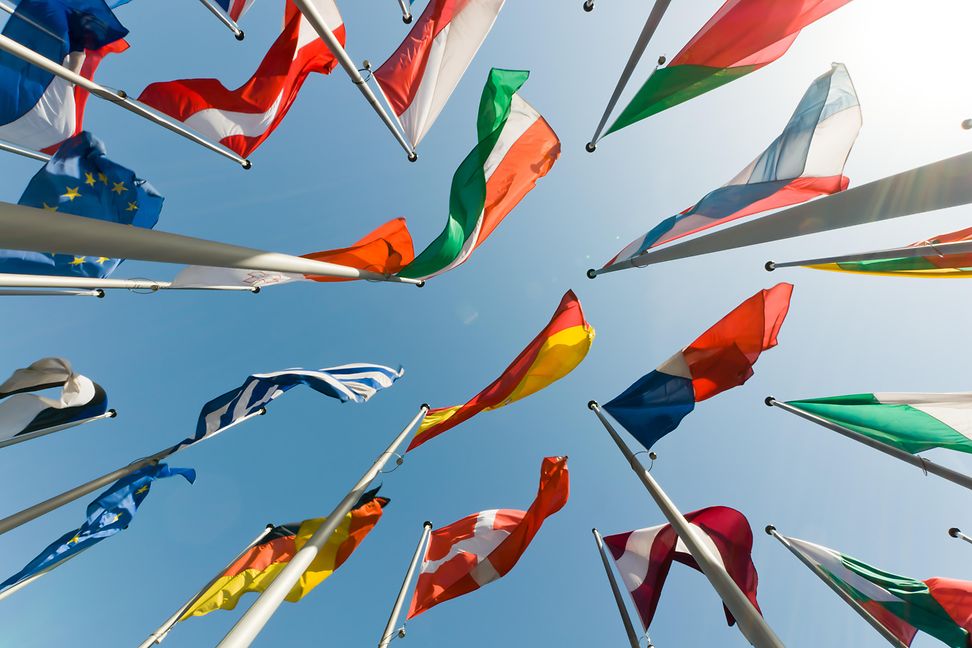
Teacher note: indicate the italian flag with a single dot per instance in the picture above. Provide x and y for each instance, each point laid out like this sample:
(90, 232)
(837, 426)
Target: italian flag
(911, 422)
(941, 607)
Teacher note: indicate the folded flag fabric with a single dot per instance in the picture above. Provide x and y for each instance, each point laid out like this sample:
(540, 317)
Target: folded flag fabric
(259, 566)
(941, 607)
(553, 354)
(643, 557)
(242, 119)
(719, 359)
(112, 512)
(933, 265)
(37, 109)
(742, 37)
(485, 546)
(805, 161)
(419, 77)
(23, 411)
(80, 179)
(516, 148)
(235, 8)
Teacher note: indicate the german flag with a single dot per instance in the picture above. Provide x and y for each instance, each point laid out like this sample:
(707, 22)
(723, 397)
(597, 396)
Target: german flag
(256, 569)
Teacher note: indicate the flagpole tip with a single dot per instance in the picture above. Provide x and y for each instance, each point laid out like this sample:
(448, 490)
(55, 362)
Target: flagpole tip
(413, 156)
(270, 525)
(590, 147)
(769, 266)
(425, 406)
(954, 532)
(246, 164)
(768, 401)
(421, 284)
(255, 290)
(407, 19)
(592, 405)
(967, 124)
(770, 529)
(427, 524)
(112, 413)
(589, 6)
(99, 293)
(239, 35)
(591, 273)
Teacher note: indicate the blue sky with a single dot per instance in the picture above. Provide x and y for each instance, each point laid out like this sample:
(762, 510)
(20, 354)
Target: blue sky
(332, 173)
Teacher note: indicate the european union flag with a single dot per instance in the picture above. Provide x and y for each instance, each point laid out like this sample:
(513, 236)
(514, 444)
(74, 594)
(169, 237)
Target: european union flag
(80, 180)
(110, 513)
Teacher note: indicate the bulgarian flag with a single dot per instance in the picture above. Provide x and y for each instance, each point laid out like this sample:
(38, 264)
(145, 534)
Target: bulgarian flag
(516, 148)
(955, 265)
(742, 37)
(941, 607)
(910, 422)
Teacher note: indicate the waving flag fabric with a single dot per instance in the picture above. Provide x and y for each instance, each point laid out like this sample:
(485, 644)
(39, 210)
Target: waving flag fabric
(933, 265)
(941, 607)
(23, 411)
(80, 179)
(719, 359)
(516, 148)
(553, 354)
(742, 37)
(259, 566)
(484, 547)
(805, 161)
(644, 557)
(242, 119)
(419, 77)
(112, 512)
(235, 8)
(37, 109)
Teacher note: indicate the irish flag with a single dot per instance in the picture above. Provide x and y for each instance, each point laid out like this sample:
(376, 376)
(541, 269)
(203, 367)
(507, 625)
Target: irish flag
(911, 422)
(941, 607)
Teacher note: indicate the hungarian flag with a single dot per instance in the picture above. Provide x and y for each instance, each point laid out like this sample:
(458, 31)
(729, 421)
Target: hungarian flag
(553, 354)
(643, 557)
(484, 547)
(242, 119)
(941, 607)
(719, 359)
(516, 148)
(256, 569)
(805, 161)
(935, 264)
(419, 77)
(742, 37)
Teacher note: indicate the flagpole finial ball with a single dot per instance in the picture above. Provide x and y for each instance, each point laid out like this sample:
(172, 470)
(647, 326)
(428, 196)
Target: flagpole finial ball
(591, 405)
(591, 273)
(412, 157)
(589, 6)
(770, 529)
(240, 35)
(427, 524)
(112, 413)
(100, 294)
(256, 290)
(662, 60)
(590, 147)
(122, 94)
(407, 19)
(954, 532)
(652, 456)
(421, 284)
(401, 633)
(967, 124)
(768, 401)
(425, 406)
(769, 266)
(246, 164)
(366, 64)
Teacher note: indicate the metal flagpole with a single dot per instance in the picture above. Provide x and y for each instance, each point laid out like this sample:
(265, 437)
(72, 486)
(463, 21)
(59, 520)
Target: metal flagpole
(389, 633)
(251, 623)
(315, 18)
(20, 438)
(406, 11)
(588, 5)
(654, 18)
(94, 283)
(915, 460)
(224, 18)
(847, 598)
(52, 293)
(30, 579)
(25, 152)
(957, 533)
(937, 250)
(750, 621)
(118, 97)
(622, 608)
(163, 630)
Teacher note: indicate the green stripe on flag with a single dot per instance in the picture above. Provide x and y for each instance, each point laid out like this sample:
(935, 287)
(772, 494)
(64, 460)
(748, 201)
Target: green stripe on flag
(888, 265)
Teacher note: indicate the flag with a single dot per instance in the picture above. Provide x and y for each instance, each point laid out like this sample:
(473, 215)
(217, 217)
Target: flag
(485, 546)
(259, 566)
(719, 359)
(516, 148)
(941, 607)
(112, 512)
(805, 161)
(22, 411)
(934, 265)
(37, 109)
(742, 37)
(422, 73)
(386, 251)
(80, 179)
(235, 8)
(242, 119)
(643, 557)
(553, 354)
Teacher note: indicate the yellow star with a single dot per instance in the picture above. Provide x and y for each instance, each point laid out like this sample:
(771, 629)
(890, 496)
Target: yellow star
(89, 179)
(132, 207)
(73, 540)
(49, 208)
(101, 260)
(142, 489)
(119, 187)
(103, 178)
(78, 260)
(117, 517)
(72, 193)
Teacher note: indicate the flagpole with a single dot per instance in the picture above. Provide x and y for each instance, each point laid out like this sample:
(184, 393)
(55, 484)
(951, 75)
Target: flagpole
(94, 283)
(163, 630)
(16, 587)
(52, 293)
(622, 608)
(936, 250)
(316, 20)
(224, 18)
(20, 438)
(751, 623)
(847, 598)
(406, 12)
(25, 152)
(654, 18)
(389, 633)
(245, 631)
(588, 5)
(118, 97)
(915, 460)
(956, 533)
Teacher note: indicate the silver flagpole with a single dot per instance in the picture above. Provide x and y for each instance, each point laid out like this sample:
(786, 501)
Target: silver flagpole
(750, 622)
(94, 283)
(957, 533)
(52, 293)
(20, 438)
(25, 152)
(389, 633)
(588, 5)
(251, 623)
(622, 608)
(654, 18)
(406, 11)
(847, 598)
(118, 97)
(915, 460)
(224, 18)
(315, 18)
(163, 630)
(937, 250)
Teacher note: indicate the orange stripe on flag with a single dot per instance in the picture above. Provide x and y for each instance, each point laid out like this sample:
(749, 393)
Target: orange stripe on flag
(386, 250)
